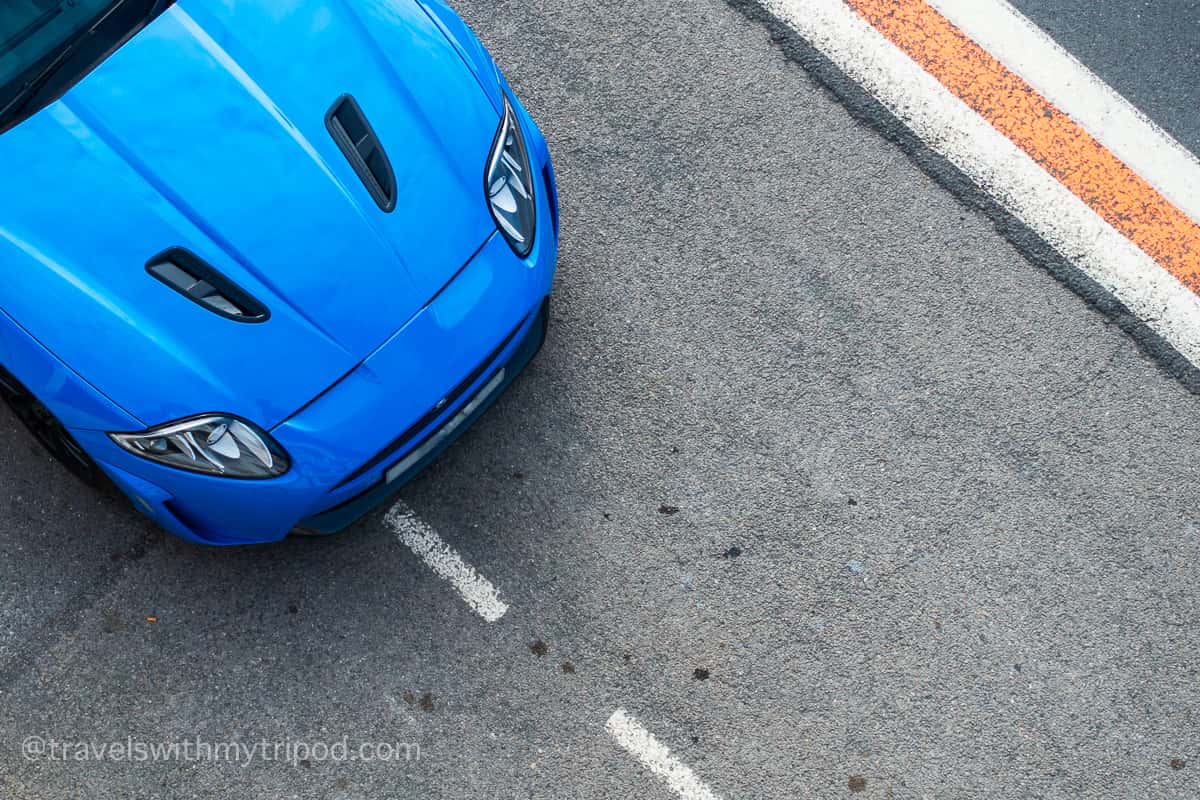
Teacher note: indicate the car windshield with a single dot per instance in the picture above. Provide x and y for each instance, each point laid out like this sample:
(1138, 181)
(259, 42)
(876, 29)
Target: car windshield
(47, 45)
(32, 30)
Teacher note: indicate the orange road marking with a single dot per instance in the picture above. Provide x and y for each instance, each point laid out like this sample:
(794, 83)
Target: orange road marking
(1050, 137)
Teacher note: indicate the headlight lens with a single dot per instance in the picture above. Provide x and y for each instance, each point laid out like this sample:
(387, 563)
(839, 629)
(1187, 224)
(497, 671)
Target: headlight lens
(215, 444)
(509, 184)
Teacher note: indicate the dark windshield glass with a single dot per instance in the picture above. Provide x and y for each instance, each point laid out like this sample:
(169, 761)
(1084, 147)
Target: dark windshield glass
(32, 30)
(48, 45)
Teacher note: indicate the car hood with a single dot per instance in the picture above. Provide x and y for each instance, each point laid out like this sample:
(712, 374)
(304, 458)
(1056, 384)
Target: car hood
(207, 131)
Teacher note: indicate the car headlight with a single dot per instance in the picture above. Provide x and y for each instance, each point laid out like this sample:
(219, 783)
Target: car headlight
(216, 444)
(509, 185)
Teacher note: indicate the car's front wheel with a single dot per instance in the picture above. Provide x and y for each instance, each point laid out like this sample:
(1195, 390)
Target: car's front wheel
(48, 430)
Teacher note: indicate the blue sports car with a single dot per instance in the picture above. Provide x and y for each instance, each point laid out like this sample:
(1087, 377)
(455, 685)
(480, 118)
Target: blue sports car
(262, 259)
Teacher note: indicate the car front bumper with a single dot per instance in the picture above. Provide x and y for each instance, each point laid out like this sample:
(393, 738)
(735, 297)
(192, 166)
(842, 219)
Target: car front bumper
(396, 465)
(331, 485)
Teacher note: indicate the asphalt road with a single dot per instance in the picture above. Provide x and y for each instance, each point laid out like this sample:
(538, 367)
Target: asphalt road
(935, 531)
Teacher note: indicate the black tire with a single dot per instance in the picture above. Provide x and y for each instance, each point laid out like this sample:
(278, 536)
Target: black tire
(46, 428)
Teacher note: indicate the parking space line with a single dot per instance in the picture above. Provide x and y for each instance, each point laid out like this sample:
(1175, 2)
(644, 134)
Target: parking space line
(656, 757)
(476, 590)
(953, 128)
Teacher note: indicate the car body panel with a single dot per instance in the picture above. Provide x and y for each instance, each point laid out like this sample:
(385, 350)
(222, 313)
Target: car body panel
(196, 135)
(74, 401)
(470, 48)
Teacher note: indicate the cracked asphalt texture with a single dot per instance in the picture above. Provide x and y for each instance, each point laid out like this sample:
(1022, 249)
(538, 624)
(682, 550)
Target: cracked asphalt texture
(936, 531)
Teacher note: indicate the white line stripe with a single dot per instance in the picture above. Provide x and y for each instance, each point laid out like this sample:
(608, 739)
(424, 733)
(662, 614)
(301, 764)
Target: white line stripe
(655, 756)
(1005, 171)
(475, 589)
(1131, 136)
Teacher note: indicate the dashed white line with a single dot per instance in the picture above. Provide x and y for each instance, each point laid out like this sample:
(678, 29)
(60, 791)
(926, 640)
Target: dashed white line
(656, 757)
(994, 162)
(476, 590)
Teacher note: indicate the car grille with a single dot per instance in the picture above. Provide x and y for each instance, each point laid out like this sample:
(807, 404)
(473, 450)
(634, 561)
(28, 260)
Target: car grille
(407, 439)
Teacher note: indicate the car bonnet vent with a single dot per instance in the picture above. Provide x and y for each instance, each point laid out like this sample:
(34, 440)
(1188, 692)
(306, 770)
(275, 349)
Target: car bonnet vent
(357, 140)
(188, 274)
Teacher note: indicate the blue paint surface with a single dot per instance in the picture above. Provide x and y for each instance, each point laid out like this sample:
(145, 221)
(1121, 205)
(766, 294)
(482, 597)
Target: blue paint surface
(207, 131)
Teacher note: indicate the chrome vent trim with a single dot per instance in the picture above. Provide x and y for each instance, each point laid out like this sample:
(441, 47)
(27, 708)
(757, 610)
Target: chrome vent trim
(200, 282)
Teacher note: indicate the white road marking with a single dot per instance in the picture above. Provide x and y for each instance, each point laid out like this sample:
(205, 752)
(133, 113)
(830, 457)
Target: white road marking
(1128, 133)
(1005, 171)
(476, 590)
(655, 756)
